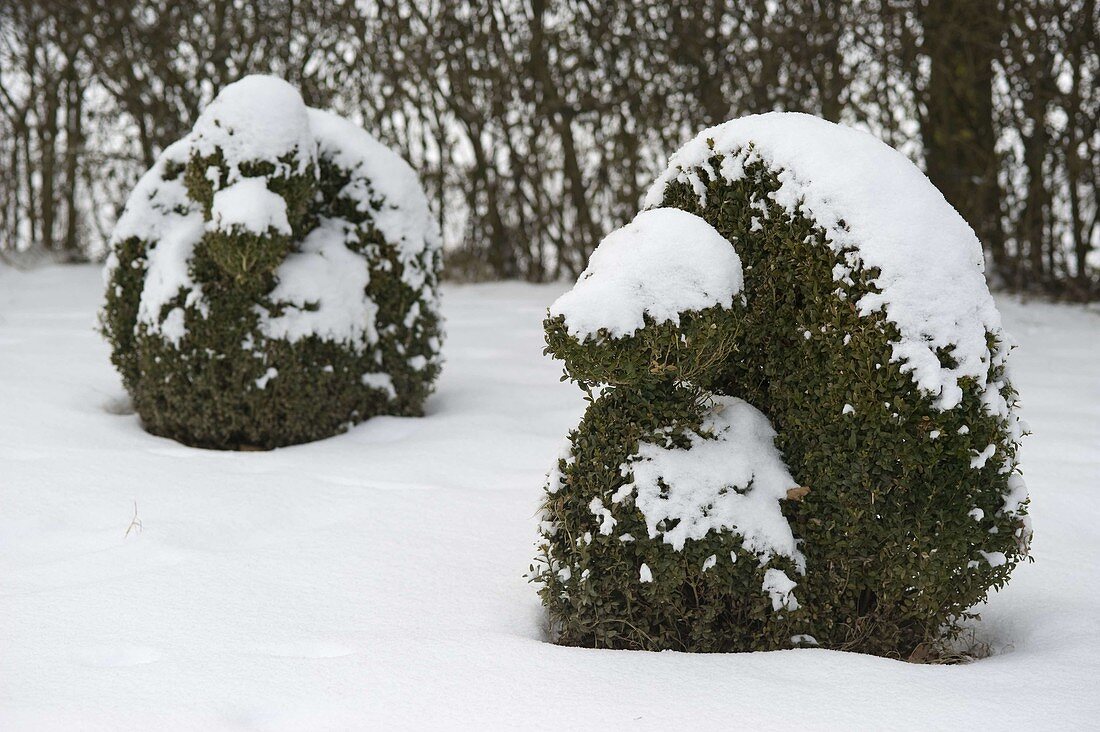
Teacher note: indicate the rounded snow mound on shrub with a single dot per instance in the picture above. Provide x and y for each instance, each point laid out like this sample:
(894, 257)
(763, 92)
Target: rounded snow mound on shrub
(663, 262)
(273, 278)
(867, 336)
(654, 299)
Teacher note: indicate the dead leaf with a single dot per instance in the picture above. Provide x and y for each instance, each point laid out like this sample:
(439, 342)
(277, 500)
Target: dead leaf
(797, 494)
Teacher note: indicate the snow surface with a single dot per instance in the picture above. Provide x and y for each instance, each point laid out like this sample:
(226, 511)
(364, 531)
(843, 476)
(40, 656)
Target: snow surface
(374, 580)
(663, 263)
(739, 452)
(881, 210)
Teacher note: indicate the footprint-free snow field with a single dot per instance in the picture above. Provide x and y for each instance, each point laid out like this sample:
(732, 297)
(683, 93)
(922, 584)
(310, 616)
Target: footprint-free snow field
(376, 578)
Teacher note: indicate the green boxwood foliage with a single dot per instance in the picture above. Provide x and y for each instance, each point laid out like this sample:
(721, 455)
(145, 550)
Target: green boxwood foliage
(911, 511)
(234, 334)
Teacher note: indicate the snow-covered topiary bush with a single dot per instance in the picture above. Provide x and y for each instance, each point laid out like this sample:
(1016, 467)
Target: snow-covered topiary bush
(273, 278)
(869, 340)
(662, 525)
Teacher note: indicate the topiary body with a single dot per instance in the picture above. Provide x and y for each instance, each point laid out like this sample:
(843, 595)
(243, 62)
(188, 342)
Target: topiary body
(869, 340)
(273, 278)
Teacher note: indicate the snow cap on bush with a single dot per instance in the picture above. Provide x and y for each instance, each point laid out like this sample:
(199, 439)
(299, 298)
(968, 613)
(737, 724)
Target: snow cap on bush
(657, 297)
(879, 212)
(255, 120)
(664, 262)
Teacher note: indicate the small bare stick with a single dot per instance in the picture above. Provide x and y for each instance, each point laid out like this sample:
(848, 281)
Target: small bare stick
(135, 523)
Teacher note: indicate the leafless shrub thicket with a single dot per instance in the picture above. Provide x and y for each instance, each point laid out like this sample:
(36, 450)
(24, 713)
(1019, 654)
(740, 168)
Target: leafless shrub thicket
(537, 125)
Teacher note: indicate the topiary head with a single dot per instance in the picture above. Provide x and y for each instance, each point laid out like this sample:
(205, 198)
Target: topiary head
(657, 302)
(257, 127)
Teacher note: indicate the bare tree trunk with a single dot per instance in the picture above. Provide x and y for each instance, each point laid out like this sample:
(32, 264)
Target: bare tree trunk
(47, 144)
(555, 109)
(961, 40)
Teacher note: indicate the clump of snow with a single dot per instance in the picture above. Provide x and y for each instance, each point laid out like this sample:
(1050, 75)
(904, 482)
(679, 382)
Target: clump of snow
(322, 291)
(174, 327)
(271, 373)
(257, 119)
(780, 588)
(607, 521)
(880, 211)
(663, 263)
(555, 479)
(995, 559)
(381, 381)
(1017, 494)
(979, 459)
(730, 479)
(249, 205)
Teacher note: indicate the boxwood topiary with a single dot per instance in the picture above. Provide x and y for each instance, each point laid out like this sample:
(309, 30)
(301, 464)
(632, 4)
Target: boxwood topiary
(662, 526)
(869, 339)
(273, 278)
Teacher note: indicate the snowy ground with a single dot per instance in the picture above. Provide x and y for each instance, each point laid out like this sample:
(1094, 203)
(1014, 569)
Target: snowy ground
(376, 577)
